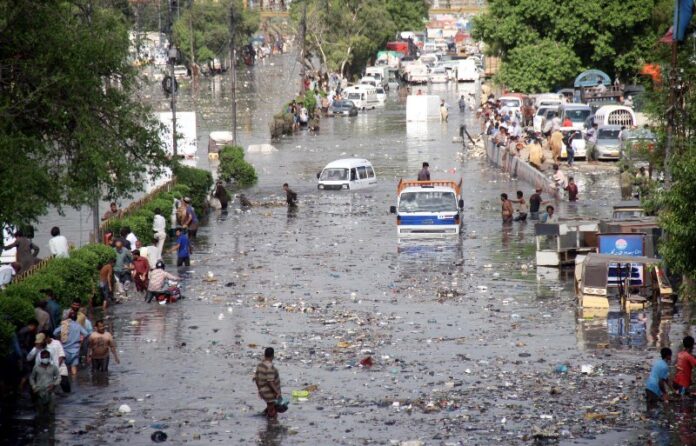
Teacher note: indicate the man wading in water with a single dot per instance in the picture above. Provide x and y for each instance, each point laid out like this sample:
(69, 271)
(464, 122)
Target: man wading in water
(268, 382)
(506, 209)
(290, 196)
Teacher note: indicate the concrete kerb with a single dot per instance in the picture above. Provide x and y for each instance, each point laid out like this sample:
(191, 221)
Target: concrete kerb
(519, 168)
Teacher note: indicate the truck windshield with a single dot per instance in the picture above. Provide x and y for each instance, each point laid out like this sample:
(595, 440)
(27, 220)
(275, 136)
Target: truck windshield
(334, 175)
(427, 201)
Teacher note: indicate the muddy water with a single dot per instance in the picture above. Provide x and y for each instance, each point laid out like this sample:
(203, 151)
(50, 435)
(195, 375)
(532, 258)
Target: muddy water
(464, 334)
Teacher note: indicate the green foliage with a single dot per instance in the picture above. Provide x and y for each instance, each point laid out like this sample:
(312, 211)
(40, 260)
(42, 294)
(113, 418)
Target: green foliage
(678, 208)
(527, 67)
(233, 166)
(344, 35)
(611, 35)
(73, 125)
(7, 330)
(199, 182)
(206, 22)
(310, 102)
(17, 311)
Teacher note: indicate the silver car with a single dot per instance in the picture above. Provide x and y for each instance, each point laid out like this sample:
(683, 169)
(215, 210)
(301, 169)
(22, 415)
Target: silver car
(608, 144)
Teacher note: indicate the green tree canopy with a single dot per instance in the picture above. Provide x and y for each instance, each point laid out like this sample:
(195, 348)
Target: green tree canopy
(532, 68)
(207, 23)
(69, 122)
(610, 35)
(345, 34)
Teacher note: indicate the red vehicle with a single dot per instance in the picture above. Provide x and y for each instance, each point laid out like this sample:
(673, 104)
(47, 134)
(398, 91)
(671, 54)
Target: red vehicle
(401, 47)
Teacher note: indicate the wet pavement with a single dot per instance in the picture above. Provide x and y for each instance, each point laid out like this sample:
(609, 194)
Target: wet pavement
(465, 336)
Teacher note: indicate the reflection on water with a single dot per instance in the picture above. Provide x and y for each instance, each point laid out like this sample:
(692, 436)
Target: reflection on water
(604, 328)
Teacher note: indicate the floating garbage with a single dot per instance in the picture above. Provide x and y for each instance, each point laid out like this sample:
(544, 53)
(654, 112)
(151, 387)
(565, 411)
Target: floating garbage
(586, 369)
(124, 408)
(300, 394)
(561, 368)
(482, 288)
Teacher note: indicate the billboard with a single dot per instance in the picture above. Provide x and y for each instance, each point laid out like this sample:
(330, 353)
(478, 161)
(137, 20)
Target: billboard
(622, 244)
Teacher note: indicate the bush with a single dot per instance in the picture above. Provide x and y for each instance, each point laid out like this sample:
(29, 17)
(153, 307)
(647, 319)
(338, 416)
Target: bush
(7, 329)
(233, 166)
(199, 182)
(79, 279)
(309, 101)
(16, 310)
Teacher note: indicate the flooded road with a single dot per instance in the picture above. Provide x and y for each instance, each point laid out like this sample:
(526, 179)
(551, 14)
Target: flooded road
(465, 335)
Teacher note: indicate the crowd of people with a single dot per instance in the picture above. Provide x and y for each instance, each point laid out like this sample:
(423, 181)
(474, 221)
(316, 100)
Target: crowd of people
(52, 345)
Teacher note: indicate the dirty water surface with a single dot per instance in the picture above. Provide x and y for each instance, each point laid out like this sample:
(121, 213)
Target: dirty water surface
(467, 342)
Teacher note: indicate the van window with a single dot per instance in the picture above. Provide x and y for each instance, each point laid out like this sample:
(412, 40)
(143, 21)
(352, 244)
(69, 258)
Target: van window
(370, 172)
(577, 115)
(362, 171)
(353, 175)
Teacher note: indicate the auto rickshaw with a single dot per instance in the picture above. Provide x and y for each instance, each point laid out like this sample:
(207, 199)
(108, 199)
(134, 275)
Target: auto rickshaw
(631, 282)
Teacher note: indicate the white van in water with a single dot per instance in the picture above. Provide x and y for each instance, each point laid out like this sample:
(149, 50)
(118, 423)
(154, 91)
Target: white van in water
(381, 74)
(347, 174)
(467, 71)
(363, 96)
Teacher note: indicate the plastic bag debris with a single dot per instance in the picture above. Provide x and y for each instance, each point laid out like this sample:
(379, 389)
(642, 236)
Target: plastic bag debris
(124, 408)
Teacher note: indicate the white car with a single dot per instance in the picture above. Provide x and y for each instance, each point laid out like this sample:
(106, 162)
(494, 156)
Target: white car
(381, 95)
(580, 151)
(438, 75)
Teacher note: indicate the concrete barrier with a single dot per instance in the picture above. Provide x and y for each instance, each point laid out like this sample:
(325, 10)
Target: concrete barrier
(519, 169)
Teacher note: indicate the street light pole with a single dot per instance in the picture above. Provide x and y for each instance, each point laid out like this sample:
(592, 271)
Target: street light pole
(172, 61)
(233, 67)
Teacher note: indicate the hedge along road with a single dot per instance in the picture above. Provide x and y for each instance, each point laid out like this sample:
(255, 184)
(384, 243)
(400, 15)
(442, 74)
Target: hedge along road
(464, 336)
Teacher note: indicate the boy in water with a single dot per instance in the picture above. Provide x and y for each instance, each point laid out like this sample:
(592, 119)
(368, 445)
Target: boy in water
(685, 363)
(657, 384)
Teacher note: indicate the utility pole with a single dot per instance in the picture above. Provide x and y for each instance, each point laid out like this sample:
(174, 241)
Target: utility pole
(233, 67)
(303, 37)
(172, 61)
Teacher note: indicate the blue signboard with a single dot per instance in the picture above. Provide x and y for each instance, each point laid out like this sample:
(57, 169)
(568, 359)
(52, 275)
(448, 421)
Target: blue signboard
(622, 244)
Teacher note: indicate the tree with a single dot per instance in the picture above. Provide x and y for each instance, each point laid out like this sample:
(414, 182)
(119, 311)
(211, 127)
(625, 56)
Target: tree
(70, 125)
(345, 34)
(611, 35)
(534, 67)
(206, 25)
(676, 206)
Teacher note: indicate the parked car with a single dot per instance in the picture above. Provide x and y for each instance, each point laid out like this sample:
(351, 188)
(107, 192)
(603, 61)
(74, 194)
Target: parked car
(180, 71)
(608, 144)
(344, 107)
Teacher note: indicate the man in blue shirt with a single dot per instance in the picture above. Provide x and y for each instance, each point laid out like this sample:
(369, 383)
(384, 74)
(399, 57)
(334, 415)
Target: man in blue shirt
(70, 334)
(182, 248)
(657, 383)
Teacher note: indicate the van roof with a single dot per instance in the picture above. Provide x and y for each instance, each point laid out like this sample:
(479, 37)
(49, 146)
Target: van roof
(348, 163)
(413, 185)
(359, 87)
(576, 105)
(611, 108)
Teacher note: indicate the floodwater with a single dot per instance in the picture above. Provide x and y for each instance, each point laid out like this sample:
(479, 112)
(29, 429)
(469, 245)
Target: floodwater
(465, 334)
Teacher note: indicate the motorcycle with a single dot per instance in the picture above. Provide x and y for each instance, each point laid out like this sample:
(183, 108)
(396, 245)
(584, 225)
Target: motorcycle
(168, 295)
